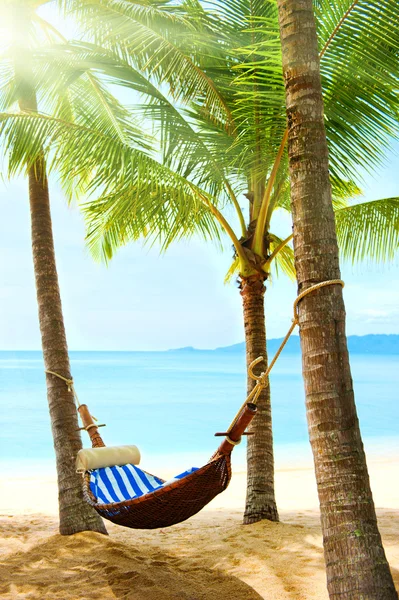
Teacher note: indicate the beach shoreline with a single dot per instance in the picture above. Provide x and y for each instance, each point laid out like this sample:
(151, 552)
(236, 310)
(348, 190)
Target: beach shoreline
(209, 556)
(294, 482)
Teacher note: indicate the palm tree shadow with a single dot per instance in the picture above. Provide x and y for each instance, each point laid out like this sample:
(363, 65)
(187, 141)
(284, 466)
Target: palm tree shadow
(395, 575)
(91, 566)
(285, 558)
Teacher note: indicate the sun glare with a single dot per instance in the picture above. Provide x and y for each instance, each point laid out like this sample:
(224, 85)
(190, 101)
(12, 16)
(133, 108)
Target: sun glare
(46, 11)
(6, 26)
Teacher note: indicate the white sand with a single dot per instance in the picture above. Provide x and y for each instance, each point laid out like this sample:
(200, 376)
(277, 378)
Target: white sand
(211, 556)
(295, 489)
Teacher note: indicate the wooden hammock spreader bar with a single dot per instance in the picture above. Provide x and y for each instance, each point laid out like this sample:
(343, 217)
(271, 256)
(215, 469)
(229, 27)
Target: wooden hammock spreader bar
(231, 440)
(223, 433)
(90, 426)
(234, 436)
(180, 499)
(247, 411)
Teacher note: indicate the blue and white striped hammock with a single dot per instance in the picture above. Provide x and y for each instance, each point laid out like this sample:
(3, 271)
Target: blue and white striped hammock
(117, 484)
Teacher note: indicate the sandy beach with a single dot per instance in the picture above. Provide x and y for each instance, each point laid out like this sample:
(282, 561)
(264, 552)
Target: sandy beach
(211, 556)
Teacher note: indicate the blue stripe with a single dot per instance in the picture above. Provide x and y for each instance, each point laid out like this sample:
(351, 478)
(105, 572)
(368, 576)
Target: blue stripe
(154, 477)
(93, 488)
(188, 472)
(145, 480)
(151, 482)
(132, 481)
(119, 480)
(99, 494)
(108, 485)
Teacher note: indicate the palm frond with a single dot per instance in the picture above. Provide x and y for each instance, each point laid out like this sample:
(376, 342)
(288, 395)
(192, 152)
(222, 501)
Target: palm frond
(234, 270)
(7, 81)
(369, 231)
(343, 191)
(187, 142)
(135, 194)
(157, 37)
(360, 77)
(161, 213)
(284, 258)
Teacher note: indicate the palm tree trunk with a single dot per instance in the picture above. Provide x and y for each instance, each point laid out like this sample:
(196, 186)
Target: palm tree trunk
(75, 514)
(357, 568)
(260, 502)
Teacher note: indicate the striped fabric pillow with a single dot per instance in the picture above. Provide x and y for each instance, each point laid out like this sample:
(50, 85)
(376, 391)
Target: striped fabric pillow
(116, 484)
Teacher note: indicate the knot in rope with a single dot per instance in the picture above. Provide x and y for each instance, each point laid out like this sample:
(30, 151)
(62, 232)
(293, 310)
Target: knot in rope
(262, 380)
(69, 384)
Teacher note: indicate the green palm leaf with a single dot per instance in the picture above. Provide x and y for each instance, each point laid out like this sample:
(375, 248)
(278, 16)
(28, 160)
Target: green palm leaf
(359, 42)
(157, 38)
(360, 76)
(284, 258)
(369, 231)
(139, 195)
(188, 143)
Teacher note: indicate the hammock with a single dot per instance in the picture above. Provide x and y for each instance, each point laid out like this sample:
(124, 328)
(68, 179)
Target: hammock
(128, 496)
(126, 482)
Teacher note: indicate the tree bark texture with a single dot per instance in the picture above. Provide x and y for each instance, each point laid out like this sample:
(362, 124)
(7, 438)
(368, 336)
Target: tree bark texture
(357, 568)
(75, 514)
(260, 501)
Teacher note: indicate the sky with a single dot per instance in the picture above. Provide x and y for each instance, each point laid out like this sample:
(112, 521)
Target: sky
(147, 301)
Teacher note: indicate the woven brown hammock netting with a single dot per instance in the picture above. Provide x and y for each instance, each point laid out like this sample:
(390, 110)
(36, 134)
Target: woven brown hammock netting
(183, 498)
(168, 505)
(179, 500)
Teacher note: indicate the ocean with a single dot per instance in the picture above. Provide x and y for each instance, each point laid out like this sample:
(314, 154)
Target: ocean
(170, 404)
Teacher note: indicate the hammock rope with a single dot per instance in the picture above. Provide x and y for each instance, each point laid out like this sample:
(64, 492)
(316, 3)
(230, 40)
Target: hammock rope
(262, 379)
(179, 499)
(69, 383)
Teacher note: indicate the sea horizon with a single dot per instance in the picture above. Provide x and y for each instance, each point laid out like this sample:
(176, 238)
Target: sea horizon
(170, 404)
(385, 343)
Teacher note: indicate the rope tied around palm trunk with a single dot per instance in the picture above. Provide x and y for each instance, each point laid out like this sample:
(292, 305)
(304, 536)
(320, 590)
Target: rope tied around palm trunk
(69, 383)
(262, 379)
(71, 389)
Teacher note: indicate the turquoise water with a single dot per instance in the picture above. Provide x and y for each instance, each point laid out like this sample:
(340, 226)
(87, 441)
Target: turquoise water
(171, 403)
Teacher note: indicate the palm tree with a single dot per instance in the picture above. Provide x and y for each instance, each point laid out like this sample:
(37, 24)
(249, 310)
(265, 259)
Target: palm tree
(232, 138)
(220, 126)
(356, 563)
(24, 78)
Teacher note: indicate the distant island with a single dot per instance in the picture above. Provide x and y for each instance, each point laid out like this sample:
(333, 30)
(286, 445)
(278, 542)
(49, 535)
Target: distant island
(378, 343)
(358, 344)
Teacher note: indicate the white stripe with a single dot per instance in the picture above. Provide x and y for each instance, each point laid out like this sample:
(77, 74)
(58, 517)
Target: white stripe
(139, 482)
(151, 479)
(114, 484)
(93, 485)
(180, 476)
(127, 483)
(104, 490)
(170, 481)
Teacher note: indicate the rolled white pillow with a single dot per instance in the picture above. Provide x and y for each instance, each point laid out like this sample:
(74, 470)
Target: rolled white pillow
(89, 459)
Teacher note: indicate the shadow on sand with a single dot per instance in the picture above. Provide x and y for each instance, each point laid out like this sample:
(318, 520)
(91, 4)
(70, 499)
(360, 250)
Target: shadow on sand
(93, 566)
